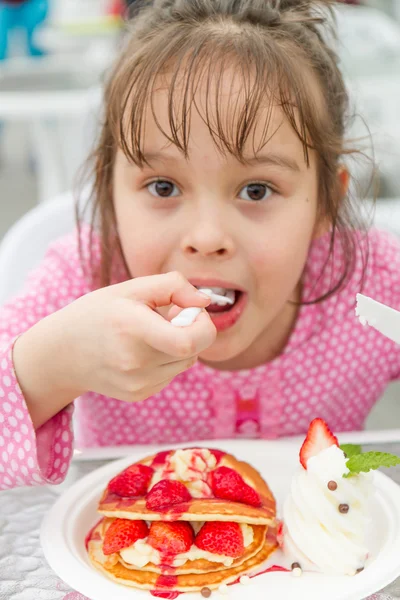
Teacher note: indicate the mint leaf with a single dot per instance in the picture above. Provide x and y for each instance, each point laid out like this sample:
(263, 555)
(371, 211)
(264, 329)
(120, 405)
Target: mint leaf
(351, 449)
(369, 461)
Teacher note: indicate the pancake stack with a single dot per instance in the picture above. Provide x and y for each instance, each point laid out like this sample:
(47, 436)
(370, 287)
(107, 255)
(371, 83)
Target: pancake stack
(182, 521)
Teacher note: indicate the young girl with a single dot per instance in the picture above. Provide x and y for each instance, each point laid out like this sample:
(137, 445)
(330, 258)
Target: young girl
(219, 165)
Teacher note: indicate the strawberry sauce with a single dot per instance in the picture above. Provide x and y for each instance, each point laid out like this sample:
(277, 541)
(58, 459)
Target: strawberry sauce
(218, 454)
(111, 498)
(166, 582)
(160, 459)
(96, 537)
(271, 570)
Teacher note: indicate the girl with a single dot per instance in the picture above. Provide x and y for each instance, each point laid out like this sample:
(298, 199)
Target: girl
(219, 165)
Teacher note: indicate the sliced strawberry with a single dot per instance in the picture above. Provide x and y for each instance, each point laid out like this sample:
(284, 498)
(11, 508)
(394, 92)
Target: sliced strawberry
(319, 437)
(227, 484)
(122, 533)
(171, 538)
(166, 493)
(132, 482)
(221, 538)
(250, 496)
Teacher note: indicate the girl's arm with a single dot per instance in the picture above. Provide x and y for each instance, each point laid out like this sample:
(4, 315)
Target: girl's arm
(59, 341)
(29, 455)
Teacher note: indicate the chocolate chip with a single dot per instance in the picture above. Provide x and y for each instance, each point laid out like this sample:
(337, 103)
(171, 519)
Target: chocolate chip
(332, 485)
(344, 508)
(206, 592)
(296, 566)
(360, 570)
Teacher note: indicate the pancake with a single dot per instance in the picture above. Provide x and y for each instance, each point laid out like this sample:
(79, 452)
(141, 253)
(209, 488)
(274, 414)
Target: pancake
(190, 582)
(197, 509)
(198, 566)
(235, 494)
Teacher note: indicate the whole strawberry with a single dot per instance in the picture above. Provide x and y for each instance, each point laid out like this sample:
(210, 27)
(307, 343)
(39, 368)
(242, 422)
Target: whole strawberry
(227, 484)
(171, 538)
(132, 482)
(122, 533)
(166, 493)
(221, 538)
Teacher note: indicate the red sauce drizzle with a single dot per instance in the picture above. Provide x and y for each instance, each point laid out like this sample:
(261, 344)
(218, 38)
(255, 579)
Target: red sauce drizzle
(174, 511)
(160, 459)
(95, 537)
(270, 570)
(111, 498)
(219, 455)
(166, 582)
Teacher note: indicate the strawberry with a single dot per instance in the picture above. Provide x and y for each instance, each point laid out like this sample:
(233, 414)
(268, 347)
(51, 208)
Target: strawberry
(134, 481)
(171, 538)
(227, 484)
(319, 437)
(166, 493)
(122, 533)
(221, 538)
(250, 496)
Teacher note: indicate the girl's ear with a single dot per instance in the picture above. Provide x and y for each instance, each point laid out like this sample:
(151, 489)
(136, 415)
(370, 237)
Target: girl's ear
(344, 179)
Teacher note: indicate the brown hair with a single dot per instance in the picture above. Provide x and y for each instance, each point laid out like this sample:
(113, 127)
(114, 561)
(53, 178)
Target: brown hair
(270, 44)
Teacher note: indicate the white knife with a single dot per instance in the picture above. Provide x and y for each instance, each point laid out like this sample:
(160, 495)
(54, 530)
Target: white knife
(384, 319)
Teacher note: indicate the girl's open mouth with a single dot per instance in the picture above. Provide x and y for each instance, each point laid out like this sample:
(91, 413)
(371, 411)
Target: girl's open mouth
(226, 316)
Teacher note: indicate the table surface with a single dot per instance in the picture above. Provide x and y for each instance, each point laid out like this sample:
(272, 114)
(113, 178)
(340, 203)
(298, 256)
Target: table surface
(24, 573)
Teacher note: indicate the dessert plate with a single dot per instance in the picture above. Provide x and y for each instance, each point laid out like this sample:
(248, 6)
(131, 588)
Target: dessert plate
(65, 527)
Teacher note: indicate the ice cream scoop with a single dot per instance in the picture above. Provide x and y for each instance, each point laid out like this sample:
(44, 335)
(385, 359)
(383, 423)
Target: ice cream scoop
(188, 315)
(326, 515)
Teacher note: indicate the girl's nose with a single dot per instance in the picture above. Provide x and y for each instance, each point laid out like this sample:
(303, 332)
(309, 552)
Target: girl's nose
(208, 238)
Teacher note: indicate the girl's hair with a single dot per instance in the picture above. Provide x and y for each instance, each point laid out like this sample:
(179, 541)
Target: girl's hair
(278, 50)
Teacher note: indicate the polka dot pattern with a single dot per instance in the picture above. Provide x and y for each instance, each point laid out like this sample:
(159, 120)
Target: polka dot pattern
(331, 367)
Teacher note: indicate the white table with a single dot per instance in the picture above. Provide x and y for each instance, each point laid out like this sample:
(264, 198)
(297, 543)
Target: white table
(24, 573)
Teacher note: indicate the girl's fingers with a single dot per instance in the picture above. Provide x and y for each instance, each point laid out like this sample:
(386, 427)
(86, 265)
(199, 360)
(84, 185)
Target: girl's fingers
(154, 377)
(162, 290)
(177, 342)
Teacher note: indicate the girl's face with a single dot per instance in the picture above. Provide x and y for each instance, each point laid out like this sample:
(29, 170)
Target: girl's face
(221, 223)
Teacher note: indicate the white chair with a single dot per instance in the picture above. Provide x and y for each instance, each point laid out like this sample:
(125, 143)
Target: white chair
(59, 100)
(25, 244)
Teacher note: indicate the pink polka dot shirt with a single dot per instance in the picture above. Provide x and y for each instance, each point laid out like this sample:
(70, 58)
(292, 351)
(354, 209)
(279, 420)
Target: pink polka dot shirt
(331, 367)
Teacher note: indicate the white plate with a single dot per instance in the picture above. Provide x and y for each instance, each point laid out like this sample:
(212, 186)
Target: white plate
(67, 524)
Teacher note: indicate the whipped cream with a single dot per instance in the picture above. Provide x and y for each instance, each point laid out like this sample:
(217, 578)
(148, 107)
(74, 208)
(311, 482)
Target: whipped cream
(191, 467)
(315, 533)
(141, 553)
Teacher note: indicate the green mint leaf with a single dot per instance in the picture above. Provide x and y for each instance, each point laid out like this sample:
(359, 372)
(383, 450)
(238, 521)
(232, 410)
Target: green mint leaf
(351, 449)
(369, 461)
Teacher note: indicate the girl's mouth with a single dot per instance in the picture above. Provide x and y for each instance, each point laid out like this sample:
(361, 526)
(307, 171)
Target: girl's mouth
(226, 316)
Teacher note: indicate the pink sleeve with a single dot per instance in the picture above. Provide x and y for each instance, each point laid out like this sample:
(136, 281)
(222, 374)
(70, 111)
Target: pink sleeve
(29, 457)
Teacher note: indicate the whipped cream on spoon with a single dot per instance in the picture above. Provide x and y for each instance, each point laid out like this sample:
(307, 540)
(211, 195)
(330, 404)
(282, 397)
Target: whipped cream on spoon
(188, 315)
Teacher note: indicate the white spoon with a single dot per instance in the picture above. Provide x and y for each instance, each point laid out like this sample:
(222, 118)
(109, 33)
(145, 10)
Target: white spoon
(188, 315)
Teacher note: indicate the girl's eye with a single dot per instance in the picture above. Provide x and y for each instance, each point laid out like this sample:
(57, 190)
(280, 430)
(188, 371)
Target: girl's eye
(163, 189)
(256, 192)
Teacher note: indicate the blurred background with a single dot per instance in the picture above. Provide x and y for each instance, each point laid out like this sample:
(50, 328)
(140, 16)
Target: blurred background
(54, 55)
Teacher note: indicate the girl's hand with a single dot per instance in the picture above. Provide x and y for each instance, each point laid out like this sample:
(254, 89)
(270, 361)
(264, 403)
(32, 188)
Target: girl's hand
(112, 342)
(122, 348)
